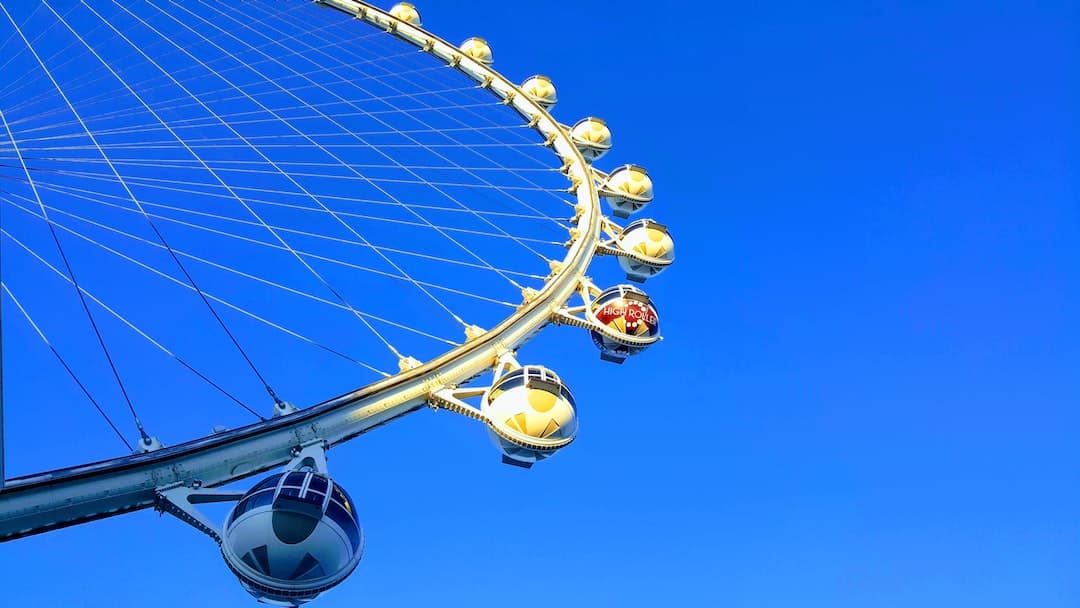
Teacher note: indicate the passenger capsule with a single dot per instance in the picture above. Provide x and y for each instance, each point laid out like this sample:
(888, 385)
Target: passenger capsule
(291, 537)
(405, 12)
(651, 247)
(532, 414)
(541, 90)
(627, 189)
(629, 322)
(477, 49)
(592, 138)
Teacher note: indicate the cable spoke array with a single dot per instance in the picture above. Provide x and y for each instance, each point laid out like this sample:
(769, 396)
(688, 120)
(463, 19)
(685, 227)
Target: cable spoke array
(245, 200)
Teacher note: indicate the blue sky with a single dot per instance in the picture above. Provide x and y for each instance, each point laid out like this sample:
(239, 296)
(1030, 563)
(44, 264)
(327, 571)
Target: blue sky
(866, 393)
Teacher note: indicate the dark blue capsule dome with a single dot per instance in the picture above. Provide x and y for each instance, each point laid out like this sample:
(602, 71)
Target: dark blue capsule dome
(292, 536)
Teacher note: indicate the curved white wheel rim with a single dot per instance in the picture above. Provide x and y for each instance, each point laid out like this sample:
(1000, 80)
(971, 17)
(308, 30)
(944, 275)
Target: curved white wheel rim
(46, 501)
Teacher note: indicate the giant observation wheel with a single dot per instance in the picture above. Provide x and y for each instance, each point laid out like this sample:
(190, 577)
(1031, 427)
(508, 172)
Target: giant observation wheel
(229, 188)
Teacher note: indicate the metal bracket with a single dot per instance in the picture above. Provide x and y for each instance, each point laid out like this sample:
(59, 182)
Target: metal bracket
(180, 500)
(284, 408)
(407, 363)
(149, 444)
(309, 455)
(473, 332)
(452, 400)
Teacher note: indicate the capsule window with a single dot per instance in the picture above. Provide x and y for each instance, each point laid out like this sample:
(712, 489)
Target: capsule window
(315, 498)
(545, 384)
(338, 495)
(252, 501)
(260, 500)
(295, 479)
(269, 482)
(533, 377)
(546, 375)
(240, 509)
(509, 381)
(541, 373)
(318, 483)
(346, 522)
(514, 375)
(607, 297)
(565, 392)
(342, 498)
(644, 223)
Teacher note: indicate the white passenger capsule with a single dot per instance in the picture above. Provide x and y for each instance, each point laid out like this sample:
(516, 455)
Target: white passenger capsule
(291, 537)
(541, 90)
(629, 320)
(651, 249)
(627, 189)
(405, 12)
(532, 414)
(477, 49)
(592, 138)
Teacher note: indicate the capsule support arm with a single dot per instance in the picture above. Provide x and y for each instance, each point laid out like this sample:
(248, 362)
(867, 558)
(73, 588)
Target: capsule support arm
(180, 500)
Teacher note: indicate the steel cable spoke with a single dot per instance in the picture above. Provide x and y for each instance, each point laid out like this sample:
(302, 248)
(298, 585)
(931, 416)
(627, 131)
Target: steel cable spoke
(64, 363)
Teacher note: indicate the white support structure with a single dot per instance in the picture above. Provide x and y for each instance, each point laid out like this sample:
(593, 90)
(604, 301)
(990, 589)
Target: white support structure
(180, 500)
(46, 501)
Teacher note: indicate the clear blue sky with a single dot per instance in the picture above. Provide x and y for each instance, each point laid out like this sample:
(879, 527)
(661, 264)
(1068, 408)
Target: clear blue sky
(867, 393)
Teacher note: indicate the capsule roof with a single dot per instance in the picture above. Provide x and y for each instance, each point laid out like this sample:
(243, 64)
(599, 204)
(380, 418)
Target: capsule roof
(478, 49)
(628, 167)
(540, 89)
(530, 375)
(623, 291)
(405, 12)
(645, 223)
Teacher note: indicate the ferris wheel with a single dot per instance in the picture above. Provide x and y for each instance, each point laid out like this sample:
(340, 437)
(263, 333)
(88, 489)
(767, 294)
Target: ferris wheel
(219, 209)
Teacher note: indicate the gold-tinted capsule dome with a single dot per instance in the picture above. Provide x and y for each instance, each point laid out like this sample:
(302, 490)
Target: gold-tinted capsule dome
(652, 246)
(405, 12)
(532, 414)
(627, 189)
(592, 130)
(477, 49)
(541, 90)
(592, 137)
(631, 182)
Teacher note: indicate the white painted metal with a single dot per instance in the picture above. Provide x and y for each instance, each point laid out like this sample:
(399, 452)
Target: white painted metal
(46, 501)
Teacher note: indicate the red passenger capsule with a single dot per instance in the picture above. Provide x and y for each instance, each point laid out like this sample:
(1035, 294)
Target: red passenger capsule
(628, 322)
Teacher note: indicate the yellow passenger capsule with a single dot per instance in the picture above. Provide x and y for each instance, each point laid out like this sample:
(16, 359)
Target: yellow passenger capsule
(478, 49)
(405, 12)
(651, 249)
(628, 189)
(541, 90)
(532, 414)
(592, 137)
